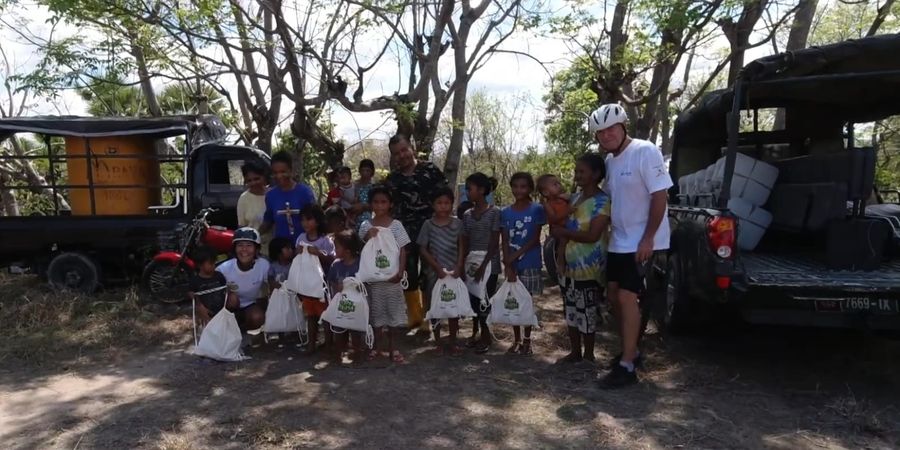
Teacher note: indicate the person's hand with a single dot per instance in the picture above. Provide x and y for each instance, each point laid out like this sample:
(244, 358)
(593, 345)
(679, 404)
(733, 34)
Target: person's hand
(232, 286)
(396, 278)
(313, 250)
(644, 250)
(339, 286)
(510, 274)
(442, 273)
(299, 249)
(202, 314)
(459, 272)
(276, 284)
(559, 232)
(372, 233)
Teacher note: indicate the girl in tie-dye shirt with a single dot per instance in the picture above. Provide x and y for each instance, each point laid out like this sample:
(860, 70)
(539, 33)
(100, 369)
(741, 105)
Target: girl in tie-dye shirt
(586, 232)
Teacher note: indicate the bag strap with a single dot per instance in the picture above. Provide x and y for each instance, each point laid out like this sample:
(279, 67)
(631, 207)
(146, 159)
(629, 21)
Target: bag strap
(194, 319)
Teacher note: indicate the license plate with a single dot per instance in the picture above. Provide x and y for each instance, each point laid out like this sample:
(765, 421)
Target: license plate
(858, 304)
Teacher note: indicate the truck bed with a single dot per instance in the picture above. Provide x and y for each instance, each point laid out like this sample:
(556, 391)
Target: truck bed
(800, 271)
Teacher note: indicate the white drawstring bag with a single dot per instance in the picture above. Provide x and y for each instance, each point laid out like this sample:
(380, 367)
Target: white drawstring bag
(221, 338)
(380, 257)
(449, 299)
(512, 305)
(349, 309)
(306, 276)
(477, 288)
(284, 315)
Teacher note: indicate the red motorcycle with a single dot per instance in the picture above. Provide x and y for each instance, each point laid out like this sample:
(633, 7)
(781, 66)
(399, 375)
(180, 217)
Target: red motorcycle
(166, 276)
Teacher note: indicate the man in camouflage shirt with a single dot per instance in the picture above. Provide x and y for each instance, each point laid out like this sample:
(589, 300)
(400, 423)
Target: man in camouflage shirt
(413, 184)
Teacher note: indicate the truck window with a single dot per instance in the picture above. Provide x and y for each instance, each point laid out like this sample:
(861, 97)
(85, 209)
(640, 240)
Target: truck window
(225, 175)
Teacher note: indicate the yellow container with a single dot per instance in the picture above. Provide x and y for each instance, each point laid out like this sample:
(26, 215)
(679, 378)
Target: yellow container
(109, 172)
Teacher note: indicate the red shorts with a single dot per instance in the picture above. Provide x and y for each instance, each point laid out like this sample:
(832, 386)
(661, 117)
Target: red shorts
(313, 307)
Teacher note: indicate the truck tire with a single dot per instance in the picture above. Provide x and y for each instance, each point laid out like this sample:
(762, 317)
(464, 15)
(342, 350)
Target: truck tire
(678, 317)
(73, 271)
(165, 281)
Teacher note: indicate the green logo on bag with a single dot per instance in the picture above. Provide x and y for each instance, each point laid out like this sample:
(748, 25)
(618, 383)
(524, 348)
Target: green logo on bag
(511, 302)
(381, 261)
(472, 269)
(447, 294)
(346, 305)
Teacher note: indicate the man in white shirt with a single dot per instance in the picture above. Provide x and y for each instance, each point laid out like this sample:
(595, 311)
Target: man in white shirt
(636, 181)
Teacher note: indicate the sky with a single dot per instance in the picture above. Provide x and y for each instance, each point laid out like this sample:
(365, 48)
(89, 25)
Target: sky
(505, 76)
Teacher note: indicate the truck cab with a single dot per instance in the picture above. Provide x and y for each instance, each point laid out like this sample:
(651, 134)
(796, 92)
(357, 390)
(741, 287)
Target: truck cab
(782, 220)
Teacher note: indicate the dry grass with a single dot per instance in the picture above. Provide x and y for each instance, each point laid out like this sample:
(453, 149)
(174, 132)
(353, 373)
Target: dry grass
(38, 325)
(170, 441)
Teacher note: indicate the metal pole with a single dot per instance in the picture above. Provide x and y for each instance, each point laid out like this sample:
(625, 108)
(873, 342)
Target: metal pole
(90, 175)
(733, 120)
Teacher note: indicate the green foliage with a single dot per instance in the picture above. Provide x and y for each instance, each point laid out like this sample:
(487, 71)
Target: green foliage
(568, 102)
(837, 21)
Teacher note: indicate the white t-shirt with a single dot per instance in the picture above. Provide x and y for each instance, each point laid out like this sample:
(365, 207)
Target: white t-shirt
(249, 283)
(630, 179)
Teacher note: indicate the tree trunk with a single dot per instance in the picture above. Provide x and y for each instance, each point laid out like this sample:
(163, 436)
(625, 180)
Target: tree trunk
(144, 77)
(458, 117)
(882, 14)
(806, 10)
(9, 205)
(738, 34)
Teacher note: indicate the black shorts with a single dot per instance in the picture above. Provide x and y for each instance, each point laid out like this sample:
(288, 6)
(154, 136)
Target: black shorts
(623, 269)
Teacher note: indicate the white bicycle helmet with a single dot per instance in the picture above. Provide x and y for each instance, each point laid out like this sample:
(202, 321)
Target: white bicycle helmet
(248, 234)
(605, 117)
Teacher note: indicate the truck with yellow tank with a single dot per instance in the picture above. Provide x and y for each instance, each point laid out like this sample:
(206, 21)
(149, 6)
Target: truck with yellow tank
(122, 190)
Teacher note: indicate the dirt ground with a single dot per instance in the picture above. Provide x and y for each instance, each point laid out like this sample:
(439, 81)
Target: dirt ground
(102, 375)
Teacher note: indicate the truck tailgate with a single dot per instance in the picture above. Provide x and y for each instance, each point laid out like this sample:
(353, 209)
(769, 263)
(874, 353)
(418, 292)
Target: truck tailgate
(793, 271)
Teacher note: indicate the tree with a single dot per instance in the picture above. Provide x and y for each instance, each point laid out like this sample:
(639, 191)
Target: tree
(18, 101)
(633, 55)
(568, 102)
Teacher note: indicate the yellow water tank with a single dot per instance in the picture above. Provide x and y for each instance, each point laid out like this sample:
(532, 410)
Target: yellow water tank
(109, 169)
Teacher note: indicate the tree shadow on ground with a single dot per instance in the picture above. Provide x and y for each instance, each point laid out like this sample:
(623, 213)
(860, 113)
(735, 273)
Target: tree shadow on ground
(760, 388)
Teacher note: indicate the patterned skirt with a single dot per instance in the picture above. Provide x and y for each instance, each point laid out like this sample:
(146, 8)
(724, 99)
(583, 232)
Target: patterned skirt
(582, 300)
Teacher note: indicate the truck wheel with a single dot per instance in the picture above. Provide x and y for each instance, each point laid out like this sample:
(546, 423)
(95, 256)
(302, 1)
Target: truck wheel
(73, 271)
(677, 316)
(166, 281)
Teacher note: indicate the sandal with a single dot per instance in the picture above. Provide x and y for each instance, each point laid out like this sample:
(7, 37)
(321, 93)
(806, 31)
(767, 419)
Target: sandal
(526, 347)
(514, 348)
(397, 358)
(372, 356)
(482, 348)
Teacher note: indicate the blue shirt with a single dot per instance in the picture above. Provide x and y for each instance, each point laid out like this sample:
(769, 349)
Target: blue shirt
(521, 227)
(287, 219)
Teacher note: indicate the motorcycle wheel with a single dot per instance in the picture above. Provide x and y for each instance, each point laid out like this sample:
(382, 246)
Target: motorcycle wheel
(166, 282)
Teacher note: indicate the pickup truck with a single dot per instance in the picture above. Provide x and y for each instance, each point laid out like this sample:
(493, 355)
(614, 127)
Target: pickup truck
(806, 239)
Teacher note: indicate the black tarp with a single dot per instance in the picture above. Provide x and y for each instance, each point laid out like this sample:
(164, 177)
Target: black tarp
(851, 81)
(202, 129)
